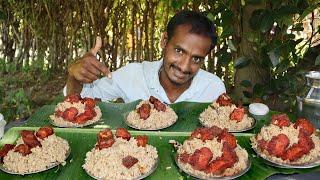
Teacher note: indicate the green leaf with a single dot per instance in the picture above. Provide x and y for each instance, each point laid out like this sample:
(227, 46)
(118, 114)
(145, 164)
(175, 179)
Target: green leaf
(241, 62)
(227, 18)
(246, 83)
(2, 15)
(210, 16)
(283, 66)
(308, 11)
(82, 140)
(274, 56)
(231, 45)
(247, 94)
(266, 21)
(228, 31)
(176, 4)
(224, 59)
(258, 90)
(317, 61)
(255, 19)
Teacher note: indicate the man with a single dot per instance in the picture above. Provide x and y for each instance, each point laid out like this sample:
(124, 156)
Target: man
(189, 38)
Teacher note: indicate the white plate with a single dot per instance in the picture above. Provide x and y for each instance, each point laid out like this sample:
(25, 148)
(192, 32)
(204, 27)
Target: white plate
(213, 176)
(283, 165)
(154, 167)
(33, 172)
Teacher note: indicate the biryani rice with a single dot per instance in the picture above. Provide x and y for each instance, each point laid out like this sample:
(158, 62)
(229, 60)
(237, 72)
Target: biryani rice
(267, 132)
(191, 145)
(59, 121)
(53, 151)
(107, 163)
(156, 120)
(216, 115)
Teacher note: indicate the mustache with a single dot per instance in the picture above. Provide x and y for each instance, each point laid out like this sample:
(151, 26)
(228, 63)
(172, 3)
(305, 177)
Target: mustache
(179, 69)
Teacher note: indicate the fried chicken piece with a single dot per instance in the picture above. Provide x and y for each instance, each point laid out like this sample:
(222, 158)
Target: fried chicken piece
(90, 113)
(5, 149)
(105, 134)
(73, 98)
(217, 166)
(229, 155)
(123, 133)
(44, 132)
(58, 113)
(305, 125)
(129, 161)
(278, 145)
(159, 106)
(305, 142)
(70, 113)
(144, 111)
(105, 143)
(82, 118)
(23, 149)
(237, 114)
(26, 133)
(204, 133)
(184, 157)
(262, 144)
(215, 130)
(29, 138)
(224, 100)
(88, 102)
(142, 140)
(228, 138)
(293, 153)
(201, 158)
(280, 120)
(152, 99)
(227, 160)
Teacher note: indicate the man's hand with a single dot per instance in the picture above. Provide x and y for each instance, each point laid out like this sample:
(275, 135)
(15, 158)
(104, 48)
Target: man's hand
(87, 69)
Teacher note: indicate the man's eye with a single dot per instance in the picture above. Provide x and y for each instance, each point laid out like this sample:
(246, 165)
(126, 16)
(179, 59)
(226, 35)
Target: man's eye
(178, 50)
(197, 59)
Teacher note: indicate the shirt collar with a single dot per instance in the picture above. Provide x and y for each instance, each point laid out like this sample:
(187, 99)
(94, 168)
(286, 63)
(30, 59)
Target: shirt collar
(196, 86)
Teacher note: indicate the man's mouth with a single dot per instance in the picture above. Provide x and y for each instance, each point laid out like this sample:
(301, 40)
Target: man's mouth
(178, 73)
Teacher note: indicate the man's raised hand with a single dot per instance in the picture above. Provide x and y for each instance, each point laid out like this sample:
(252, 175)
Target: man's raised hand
(88, 68)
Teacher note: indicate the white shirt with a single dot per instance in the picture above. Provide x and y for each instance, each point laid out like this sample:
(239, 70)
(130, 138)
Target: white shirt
(141, 80)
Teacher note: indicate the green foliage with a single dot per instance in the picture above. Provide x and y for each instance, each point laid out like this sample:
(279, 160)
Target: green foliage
(15, 104)
(241, 62)
(317, 61)
(2, 16)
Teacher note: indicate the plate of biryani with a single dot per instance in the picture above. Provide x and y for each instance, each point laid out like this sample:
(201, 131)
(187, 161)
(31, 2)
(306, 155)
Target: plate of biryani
(34, 152)
(211, 153)
(151, 114)
(75, 111)
(121, 156)
(288, 145)
(224, 114)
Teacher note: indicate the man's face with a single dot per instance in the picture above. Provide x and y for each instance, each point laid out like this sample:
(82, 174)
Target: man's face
(184, 54)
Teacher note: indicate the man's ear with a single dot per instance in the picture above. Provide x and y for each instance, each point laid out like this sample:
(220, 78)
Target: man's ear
(164, 40)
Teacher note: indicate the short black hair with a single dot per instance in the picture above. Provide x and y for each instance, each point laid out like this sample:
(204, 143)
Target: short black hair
(199, 23)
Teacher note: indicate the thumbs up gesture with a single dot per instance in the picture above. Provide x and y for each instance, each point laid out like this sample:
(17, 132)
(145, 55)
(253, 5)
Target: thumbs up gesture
(88, 68)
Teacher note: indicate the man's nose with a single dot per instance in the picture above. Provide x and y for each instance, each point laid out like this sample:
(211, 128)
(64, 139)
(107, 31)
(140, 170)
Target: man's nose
(185, 64)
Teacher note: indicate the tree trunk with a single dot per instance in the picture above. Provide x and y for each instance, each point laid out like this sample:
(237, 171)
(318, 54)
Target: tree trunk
(251, 72)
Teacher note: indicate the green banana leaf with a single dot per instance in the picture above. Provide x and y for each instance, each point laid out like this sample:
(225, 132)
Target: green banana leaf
(82, 140)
